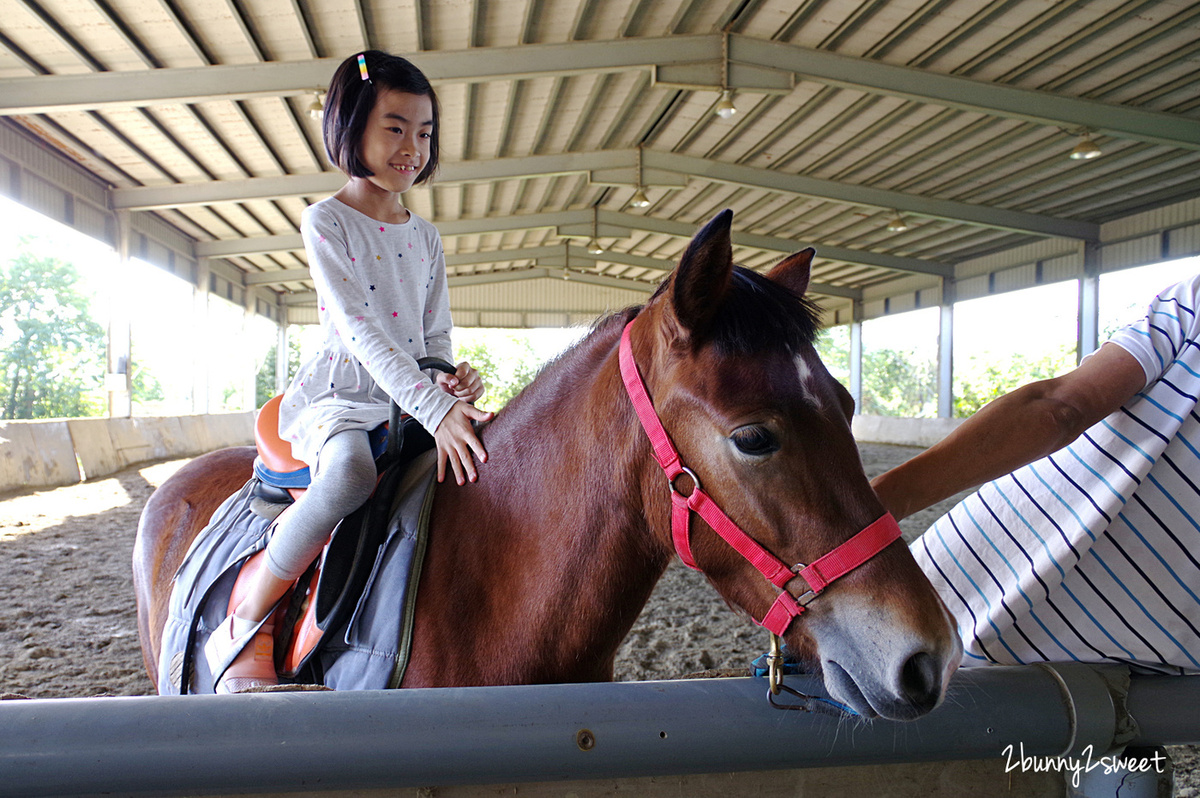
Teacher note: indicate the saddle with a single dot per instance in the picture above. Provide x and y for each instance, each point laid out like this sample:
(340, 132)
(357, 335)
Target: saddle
(330, 589)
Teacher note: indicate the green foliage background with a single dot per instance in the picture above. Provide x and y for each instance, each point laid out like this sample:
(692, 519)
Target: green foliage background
(505, 375)
(52, 361)
(901, 383)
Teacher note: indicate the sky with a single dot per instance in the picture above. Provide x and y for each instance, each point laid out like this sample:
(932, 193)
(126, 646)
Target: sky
(992, 327)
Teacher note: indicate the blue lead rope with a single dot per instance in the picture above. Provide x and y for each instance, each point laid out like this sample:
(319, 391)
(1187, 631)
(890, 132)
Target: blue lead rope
(808, 703)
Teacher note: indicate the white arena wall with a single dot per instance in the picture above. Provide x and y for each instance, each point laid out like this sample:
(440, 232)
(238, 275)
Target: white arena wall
(39, 454)
(36, 454)
(923, 432)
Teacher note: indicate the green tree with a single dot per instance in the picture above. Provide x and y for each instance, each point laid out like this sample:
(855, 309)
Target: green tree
(833, 347)
(264, 382)
(980, 381)
(146, 387)
(898, 383)
(53, 350)
(504, 378)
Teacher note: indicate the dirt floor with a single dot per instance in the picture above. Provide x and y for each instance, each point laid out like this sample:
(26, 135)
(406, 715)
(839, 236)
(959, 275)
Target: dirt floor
(68, 625)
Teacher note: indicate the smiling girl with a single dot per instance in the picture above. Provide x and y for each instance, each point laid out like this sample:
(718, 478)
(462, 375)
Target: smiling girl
(382, 295)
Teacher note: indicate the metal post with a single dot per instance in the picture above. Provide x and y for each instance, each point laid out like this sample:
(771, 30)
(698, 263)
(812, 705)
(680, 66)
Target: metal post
(946, 349)
(201, 354)
(1089, 301)
(494, 735)
(248, 356)
(281, 353)
(118, 380)
(856, 356)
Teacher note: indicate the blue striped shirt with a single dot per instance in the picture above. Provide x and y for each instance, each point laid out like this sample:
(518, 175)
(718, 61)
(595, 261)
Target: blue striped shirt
(1093, 553)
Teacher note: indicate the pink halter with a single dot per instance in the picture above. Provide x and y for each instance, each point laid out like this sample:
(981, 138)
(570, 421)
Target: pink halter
(843, 559)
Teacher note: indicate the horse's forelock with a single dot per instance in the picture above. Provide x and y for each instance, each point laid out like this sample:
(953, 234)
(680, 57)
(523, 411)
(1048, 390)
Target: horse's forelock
(756, 315)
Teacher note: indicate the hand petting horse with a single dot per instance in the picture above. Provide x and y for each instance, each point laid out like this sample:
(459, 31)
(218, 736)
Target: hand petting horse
(537, 572)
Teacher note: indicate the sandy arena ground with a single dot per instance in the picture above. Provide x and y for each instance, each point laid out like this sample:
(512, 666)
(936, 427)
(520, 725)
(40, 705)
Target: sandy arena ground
(68, 624)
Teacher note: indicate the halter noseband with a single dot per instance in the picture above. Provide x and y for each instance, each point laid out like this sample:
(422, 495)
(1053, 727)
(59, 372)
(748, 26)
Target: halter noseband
(843, 559)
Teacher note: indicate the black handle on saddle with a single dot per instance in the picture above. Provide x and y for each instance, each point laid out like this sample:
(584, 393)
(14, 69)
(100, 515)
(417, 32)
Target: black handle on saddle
(394, 431)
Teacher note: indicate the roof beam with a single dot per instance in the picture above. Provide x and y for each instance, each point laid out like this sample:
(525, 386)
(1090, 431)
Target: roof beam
(148, 198)
(555, 273)
(553, 256)
(50, 93)
(278, 277)
(259, 188)
(536, 221)
(784, 245)
(967, 94)
(254, 245)
(45, 94)
(949, 210)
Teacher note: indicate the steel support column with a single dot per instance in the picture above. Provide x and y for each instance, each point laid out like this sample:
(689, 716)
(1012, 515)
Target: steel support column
(946, 349)
(856, 356)
(201, 356)
(118, 378)
(281, 352)
(1089, 302)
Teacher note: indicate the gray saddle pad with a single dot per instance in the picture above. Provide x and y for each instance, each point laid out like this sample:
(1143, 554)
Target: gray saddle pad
(368, 651)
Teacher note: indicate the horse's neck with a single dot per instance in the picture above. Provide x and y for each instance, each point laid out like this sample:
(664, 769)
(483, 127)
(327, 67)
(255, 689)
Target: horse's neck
(552, 540)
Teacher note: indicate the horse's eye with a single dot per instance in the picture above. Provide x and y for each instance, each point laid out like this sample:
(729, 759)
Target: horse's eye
(755, 440)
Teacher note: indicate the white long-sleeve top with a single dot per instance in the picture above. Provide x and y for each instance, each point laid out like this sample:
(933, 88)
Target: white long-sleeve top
(383, 302)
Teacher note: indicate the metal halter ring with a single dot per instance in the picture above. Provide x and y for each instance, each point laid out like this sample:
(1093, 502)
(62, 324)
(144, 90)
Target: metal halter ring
(690, 473)
(775, 665)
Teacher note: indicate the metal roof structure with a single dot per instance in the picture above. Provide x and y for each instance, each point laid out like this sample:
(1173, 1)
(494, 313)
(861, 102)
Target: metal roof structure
(187, 122)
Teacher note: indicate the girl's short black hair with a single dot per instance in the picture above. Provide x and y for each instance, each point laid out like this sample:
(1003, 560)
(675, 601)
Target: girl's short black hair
(349, 102)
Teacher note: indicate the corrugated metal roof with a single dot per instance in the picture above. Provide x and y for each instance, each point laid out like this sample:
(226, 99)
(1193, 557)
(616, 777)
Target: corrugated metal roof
(955, 115)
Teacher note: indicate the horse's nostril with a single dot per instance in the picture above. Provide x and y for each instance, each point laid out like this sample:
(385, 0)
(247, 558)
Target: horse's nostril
(920, 680)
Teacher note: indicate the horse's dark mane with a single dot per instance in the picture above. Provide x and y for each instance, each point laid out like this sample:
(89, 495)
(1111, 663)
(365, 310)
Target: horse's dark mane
(758, 315)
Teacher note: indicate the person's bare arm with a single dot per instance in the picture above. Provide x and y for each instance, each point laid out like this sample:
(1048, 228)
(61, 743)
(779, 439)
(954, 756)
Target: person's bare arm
(1031, 422)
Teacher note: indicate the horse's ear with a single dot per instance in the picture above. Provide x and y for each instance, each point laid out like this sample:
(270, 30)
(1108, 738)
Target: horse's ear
(793, 271)
(702, 276)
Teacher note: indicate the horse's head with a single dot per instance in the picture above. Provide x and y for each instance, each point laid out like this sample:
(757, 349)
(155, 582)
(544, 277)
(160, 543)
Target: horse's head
(728, 357)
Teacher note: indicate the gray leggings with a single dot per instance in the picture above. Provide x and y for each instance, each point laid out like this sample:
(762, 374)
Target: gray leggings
(343, 480)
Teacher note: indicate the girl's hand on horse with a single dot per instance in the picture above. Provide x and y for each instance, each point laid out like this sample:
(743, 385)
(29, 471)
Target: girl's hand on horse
(465, 383)
(456, 441)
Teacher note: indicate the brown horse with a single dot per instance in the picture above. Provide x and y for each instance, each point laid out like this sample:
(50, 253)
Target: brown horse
(537, 572)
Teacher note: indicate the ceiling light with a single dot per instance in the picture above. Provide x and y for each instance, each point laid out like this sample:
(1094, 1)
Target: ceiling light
(897, 224)
(639, 200)
(725, 107)
(316, 110)
(594, 248)
(1085, 150)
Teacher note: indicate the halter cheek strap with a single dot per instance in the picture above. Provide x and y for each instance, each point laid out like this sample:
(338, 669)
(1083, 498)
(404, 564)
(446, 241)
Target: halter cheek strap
(843, 559)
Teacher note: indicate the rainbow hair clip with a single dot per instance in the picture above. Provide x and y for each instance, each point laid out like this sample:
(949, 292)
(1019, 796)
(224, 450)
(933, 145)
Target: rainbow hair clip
(362, 67)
